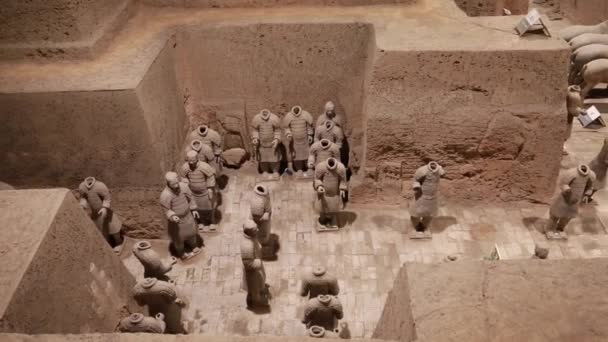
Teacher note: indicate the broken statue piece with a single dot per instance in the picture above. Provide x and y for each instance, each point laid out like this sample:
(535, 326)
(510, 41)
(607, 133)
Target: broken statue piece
(299, 131)
(201, 180)
(161, 297)
(330, 114)
(181, 210)
(322, 150)
(154, 266)
(424, 205)
(254, 275)
(574, 184)
(138, 323)
(323, 311)
(316, 331)
(599, 166)
(330, 185)
(95, 195)
(266, 134)
(319, 282)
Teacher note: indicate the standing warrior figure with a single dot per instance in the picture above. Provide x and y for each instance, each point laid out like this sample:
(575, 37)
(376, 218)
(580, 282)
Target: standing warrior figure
(266, 133)
(574, 184)
(205, 153)
(322, 150)
(323, 311)
(138, 323)
(95, 195)
(319, 283)
(254, 277)
(299, 133)
(424, 207)
(211, 138)
(200, 177)
(261, 214)
(574, 106)
(330, 185)
(330, 131)
(330, 114)
(599, 166)
(181, 210)
(161, 297)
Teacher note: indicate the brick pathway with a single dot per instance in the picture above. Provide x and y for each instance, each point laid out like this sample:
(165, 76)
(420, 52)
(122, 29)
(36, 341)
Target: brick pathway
(365, 255)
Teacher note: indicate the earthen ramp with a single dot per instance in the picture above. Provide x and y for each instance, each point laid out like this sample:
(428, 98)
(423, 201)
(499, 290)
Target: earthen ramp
(523, 300)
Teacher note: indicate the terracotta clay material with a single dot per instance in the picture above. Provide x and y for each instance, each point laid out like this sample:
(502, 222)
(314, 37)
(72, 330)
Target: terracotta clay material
(599, 166)
(205, 153)
(592, 74)
(254, 275)
(161, 297)
(298, 129)
(181, 211)
(330, 131)
(330, 114)
(572, 32)
(588, 39)
(323, 311)
(584, 55)
(95, 196)
(138, 323)
(331, 186)
(261, 212)
(573, 185)
(319, 282)
(425, 186)
(574, 107)
(266, 134)
(322, 150)
(154, 266)
(202, 183)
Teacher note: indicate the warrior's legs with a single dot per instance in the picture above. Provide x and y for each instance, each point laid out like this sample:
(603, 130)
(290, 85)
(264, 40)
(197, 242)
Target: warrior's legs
(178, 245)
(416, 221)
(552, 223)
(562, 223)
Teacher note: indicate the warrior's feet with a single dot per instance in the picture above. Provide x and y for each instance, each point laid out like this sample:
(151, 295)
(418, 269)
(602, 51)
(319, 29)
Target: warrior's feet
(201, 227)
(213, 227)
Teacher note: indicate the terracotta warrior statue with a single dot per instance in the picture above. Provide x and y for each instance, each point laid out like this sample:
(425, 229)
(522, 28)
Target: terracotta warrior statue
(330, 114)
(330, 131)
(319, 283)
(95, 195)
(573, 184)
(330, 185)
(205, 154)
(322, 150)
(161, 297)
(299, 132)
(424, 206)
(574, 106)
(266, 134)
(323, 311)
(599, 166)
(200, 177)
(254, 275)
(154, 266)
(261, 214)
(211, 138)
(138, 323)
(181, 211)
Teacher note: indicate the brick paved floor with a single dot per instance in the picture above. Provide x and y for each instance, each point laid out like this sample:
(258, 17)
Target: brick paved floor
(365, 255)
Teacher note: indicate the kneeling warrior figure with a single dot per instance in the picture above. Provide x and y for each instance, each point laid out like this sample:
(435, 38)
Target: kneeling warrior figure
(95, 195)
(330, 185)
(181, 210)
(266, 133)
(299, 133)
(424, 207)
(574, 184)
(200, 177)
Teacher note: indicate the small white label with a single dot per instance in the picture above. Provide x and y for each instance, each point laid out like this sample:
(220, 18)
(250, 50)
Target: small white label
(532, 17)
(592, 115)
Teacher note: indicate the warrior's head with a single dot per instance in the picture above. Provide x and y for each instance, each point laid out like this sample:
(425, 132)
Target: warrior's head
(192, 158)
(172, 180)
(330, 109)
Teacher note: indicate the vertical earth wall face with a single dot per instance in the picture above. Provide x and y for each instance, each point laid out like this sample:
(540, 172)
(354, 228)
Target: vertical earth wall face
(494, 119)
